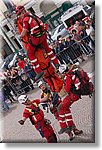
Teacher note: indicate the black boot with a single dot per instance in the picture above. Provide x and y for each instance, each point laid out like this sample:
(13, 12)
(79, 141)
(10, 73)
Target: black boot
(71, 136)
(77, 132)
(62, 130)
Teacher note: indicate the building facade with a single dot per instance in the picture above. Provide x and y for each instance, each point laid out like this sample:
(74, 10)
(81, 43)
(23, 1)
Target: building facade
(49, 11)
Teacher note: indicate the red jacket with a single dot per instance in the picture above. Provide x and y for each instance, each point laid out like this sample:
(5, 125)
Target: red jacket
(21, 64)
(33, 112)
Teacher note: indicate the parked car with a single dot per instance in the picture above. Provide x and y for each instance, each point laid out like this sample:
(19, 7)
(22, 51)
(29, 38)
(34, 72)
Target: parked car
(60, 30)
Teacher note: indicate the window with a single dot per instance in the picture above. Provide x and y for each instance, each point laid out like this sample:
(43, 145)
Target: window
(71, 21)
(6, 28)
(5, 49)
(16, 43)
(61, 28)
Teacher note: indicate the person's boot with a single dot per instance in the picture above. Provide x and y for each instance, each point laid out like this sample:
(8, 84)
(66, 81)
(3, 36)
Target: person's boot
(62, 130)
(39, 75)
(77, 132)
(71, 136)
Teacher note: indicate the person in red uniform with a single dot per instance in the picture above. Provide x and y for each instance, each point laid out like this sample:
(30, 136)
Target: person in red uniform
(55, 108)
(21, 63)
(36, 116)
(33, 25)
(65, 118)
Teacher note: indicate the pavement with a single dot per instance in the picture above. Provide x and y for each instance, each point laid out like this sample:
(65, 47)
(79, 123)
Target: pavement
(83, 112)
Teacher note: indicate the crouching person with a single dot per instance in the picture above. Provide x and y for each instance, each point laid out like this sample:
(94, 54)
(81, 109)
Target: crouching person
(36, 116)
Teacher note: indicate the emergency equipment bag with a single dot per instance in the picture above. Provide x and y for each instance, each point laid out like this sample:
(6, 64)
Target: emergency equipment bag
(86, 86)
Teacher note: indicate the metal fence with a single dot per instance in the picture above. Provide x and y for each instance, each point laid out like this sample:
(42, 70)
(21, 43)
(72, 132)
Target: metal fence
(71, 54)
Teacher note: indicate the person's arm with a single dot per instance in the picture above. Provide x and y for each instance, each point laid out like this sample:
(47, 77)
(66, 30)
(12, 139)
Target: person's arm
(45, 99)
(23, 33)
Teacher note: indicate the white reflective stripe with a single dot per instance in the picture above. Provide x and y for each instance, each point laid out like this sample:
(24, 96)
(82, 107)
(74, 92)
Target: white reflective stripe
(68, 114)
(50, 53)
(34, 28)
(30, 19)
(62, 116)
(68, 119)
(77, 85)
(34, 118)
(62, 121)
(73, 77)
(75, 69)
(33, 60)
(53, 58)
(33, 67)
(41, 23)
(37, 66)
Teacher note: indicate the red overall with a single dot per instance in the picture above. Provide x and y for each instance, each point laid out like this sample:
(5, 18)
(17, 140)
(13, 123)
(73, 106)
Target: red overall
(36, 116)
(30, 23)
(65, 117)
(54, 81)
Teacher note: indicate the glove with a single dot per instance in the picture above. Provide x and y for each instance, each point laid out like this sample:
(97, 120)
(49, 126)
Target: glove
(21, 122)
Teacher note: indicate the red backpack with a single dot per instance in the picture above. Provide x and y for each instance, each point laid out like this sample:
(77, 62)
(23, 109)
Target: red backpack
(86, 87)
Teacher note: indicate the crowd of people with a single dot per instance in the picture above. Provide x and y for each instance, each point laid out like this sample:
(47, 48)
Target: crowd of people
(79, 42)
(19, 78)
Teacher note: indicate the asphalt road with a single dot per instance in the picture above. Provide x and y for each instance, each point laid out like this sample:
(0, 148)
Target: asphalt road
(83, 112)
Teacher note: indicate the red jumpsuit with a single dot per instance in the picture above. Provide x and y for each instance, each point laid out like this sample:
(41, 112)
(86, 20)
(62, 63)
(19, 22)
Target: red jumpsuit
(65, 117)
(36, 116)
(61, 117)
(36, 38)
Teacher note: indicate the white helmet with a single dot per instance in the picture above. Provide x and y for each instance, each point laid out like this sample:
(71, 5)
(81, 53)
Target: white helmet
(62, 68)
(40, 83)
(22, 98)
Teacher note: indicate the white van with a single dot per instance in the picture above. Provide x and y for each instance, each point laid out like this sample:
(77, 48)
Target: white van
(74, 14)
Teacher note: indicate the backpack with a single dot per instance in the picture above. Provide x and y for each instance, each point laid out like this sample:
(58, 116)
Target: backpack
(86, 87)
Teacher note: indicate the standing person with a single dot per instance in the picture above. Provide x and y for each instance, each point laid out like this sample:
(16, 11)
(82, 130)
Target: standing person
(3, 102)
(29, 70)
(21, 62)
(91, 33)
(71, 97)
(36, 31)
(54, 105)
(62, 55)
(36, 116)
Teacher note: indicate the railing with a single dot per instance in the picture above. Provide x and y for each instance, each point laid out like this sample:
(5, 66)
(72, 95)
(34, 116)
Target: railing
(73, 52)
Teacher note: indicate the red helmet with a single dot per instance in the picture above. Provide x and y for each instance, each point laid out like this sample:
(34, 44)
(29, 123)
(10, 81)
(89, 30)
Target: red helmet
(19, 9)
